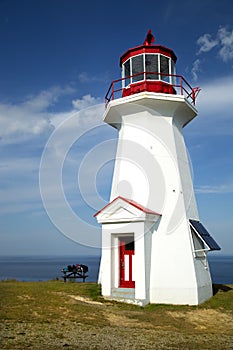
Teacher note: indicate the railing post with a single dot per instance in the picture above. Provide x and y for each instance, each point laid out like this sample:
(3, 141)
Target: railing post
(113, 90)
(193, 96)
(181, 85)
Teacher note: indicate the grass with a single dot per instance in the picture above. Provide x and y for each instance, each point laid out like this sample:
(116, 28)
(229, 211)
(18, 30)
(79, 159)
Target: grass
(53, 315)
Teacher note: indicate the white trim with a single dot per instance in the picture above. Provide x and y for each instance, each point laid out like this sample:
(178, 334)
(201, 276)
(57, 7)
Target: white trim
(144, 66)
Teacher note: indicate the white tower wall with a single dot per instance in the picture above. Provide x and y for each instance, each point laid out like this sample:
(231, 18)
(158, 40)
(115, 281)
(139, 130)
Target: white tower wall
(151, 164)
(152, 169)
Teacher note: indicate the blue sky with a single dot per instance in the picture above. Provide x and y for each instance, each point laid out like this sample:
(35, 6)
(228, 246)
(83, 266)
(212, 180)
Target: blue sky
(57, 60)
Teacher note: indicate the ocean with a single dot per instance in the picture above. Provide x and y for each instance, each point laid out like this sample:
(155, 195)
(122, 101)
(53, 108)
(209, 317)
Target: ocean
(40, 268)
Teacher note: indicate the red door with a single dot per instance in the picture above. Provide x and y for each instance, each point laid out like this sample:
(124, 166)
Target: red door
(126, 252)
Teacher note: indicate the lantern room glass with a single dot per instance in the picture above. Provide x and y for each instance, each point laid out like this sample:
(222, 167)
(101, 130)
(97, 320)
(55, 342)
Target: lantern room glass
(137, 67)
(127, 73)
(151, 66)
(164, 68)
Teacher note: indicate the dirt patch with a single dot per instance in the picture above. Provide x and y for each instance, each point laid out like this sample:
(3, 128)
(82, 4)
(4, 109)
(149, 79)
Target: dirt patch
(205, 319)
(210, 319)
(25, 297)
(120, 320)
(84, 300)
(80, 298)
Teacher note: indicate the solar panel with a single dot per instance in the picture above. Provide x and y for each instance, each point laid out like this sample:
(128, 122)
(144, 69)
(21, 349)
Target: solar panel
(204, 234)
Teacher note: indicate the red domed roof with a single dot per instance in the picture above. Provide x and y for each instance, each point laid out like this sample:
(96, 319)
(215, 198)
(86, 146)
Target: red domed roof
(147, 47)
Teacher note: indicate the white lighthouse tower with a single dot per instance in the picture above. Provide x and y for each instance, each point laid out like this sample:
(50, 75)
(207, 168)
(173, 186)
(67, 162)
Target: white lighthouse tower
(153, 244)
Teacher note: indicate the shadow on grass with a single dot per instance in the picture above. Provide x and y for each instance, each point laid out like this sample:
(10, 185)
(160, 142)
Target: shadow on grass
(220, 287)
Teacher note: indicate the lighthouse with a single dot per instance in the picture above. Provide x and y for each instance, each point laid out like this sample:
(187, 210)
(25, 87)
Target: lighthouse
(154, 247)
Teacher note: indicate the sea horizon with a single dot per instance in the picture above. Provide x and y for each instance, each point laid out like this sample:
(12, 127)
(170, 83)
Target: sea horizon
(45, 267)
(85, 255)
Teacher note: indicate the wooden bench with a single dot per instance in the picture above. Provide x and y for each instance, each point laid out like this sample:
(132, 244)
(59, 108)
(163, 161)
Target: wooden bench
(75, 272)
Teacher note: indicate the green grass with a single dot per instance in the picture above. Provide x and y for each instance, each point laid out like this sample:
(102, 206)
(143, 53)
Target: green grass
(51, 315)
(47, 301)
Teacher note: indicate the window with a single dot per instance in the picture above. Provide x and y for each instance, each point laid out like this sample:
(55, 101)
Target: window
(137, 67)
(126, 73)
(164, 68)
(151, 65)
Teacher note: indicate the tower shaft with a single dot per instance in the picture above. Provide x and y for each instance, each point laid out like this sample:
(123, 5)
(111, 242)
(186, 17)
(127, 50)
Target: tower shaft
(153, 245)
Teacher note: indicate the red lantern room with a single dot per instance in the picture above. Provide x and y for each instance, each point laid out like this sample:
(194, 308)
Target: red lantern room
(148, 67)
(151, 68)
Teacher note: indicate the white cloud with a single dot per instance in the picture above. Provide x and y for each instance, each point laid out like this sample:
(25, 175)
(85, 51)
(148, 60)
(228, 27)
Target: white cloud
(85, 101)
(195, 69)
(226, 43)
(206, 43)
(211, 189)
(84, 77)
(22, 166)
(20, 122)
(17, 121)
(46, 98)
(19, 184)
(215, 108)
(216, 97)
(24, 130)
(223, 42)
(32, 117)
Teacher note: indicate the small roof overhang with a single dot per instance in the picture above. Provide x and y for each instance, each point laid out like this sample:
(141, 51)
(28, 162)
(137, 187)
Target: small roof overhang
(125, 210)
